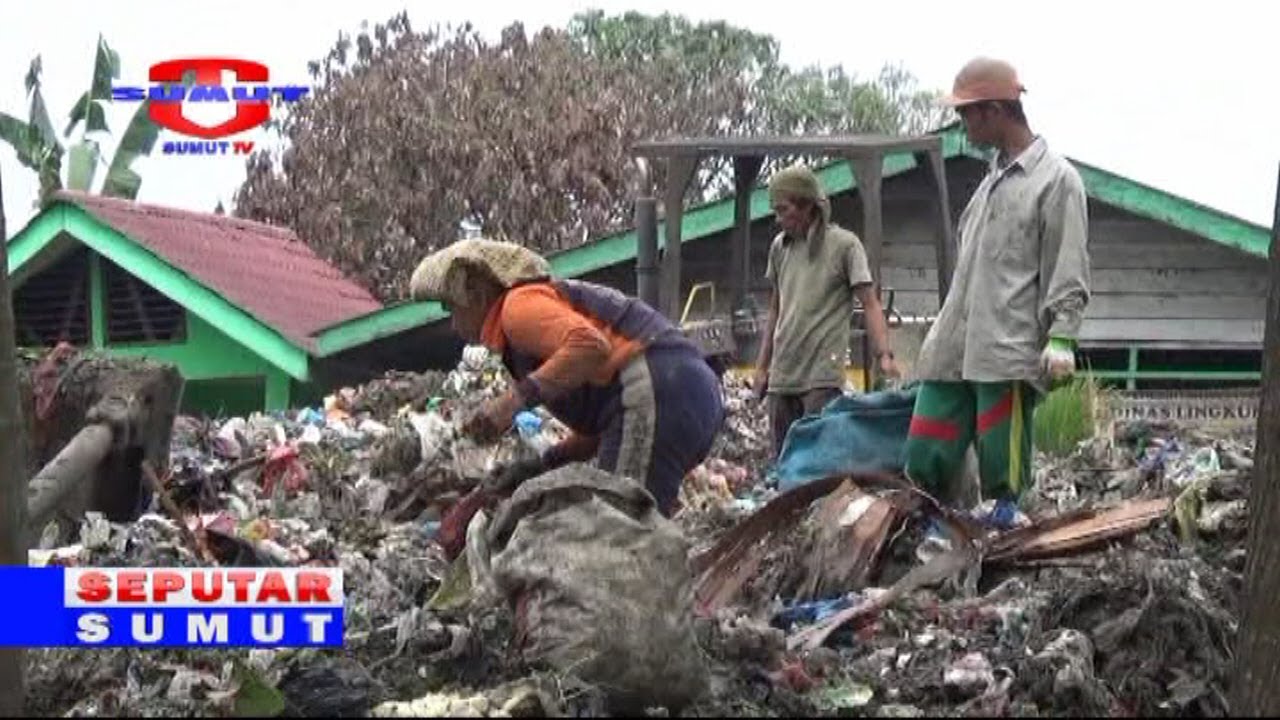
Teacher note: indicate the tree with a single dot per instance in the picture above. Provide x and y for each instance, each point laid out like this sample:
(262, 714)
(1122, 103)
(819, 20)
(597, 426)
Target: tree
(1256, 688)
(412, 139)
(13, 480)
(38, 147)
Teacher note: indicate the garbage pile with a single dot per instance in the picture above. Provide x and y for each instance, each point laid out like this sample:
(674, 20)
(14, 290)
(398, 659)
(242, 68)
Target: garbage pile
(1118, 595)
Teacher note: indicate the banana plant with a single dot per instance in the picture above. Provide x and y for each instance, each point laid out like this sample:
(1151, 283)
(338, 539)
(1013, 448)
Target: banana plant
(38, 146)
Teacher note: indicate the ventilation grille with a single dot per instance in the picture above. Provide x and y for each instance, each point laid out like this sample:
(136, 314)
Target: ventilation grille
(137, 312)
(53, 305)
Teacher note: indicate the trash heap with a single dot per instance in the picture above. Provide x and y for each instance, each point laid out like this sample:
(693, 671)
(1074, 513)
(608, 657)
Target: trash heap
(1126, 605)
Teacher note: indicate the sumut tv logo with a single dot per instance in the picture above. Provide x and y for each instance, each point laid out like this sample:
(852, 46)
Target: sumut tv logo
(252, 100)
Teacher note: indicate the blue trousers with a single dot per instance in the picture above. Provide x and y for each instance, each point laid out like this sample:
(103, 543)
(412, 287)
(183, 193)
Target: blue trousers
(671, 407)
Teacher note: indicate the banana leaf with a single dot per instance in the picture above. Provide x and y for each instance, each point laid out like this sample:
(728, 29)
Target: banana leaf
(87, 108)
(38, 116)
(106, 67)
(138, 140)
(23, 138)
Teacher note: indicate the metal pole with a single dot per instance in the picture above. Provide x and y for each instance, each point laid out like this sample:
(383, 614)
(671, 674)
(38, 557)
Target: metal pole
(13, 478)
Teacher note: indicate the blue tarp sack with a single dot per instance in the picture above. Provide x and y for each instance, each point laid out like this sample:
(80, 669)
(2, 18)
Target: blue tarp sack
(852, 434)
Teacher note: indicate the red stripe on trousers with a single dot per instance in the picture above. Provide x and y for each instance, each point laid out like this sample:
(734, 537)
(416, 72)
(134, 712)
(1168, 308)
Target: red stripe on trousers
(996, 413)
(936, 429)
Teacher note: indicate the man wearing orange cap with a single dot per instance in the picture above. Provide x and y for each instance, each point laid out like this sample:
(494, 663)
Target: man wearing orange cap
(1007, 329)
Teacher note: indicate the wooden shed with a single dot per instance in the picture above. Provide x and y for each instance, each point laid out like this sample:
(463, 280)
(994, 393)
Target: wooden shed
(1179, 288)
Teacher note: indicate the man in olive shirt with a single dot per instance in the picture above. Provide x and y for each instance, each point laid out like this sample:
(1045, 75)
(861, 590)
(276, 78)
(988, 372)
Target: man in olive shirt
(1008, 326)
(816, 268)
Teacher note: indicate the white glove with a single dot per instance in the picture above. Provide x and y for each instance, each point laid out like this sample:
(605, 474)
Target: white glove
(1058, 360)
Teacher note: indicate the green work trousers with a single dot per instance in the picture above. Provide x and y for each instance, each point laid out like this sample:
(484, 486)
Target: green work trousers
(949, 416)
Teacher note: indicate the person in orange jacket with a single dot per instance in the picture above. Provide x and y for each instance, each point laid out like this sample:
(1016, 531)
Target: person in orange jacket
(637, 394)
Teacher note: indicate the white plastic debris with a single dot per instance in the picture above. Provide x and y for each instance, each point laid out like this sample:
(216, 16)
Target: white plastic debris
(372, 428)
(95, 531)
(474, 357)
(970, 676)
(433, 431)
(310, 436)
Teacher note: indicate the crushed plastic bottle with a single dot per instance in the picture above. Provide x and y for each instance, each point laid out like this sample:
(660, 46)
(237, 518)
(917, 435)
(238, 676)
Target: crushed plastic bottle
(529, 428)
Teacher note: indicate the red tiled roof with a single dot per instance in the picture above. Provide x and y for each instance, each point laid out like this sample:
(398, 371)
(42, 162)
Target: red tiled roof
(265, 270)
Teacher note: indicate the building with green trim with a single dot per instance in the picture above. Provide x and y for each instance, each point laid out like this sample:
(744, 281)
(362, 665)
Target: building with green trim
(1179, 288)
(233, 304)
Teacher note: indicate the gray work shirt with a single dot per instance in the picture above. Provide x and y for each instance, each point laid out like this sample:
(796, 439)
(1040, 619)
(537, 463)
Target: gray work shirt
(1022, 274)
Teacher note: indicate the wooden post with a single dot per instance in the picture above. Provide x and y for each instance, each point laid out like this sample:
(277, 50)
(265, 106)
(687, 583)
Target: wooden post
(746, 168)
(13, 478)
(933, 166)
(869, 172)
(680, 171)
(1255, 687)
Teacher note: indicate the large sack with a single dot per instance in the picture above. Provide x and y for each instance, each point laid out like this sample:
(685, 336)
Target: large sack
(601, 586)
(853, 434)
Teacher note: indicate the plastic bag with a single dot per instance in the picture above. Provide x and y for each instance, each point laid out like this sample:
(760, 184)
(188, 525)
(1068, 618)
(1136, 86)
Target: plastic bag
(601, 586)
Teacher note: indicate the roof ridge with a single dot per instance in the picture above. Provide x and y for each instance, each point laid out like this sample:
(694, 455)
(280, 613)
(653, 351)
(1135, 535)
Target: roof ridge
(78, 196)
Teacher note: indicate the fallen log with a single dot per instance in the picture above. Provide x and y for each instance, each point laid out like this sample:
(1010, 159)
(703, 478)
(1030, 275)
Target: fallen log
(73, 465)
(90, 422)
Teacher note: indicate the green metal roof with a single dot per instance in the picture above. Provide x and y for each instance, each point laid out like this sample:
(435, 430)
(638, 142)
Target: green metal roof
(715, 217)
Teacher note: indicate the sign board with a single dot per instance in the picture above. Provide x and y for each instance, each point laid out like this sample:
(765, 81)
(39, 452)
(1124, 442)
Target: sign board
(1195, 406)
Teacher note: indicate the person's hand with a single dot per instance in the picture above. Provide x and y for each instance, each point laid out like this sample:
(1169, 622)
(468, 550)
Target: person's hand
(510, 476)
(1058, 360)
(760, 382)
(492, 419)
(889, 368)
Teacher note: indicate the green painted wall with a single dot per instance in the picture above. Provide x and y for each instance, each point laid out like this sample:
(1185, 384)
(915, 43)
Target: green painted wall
(223, 376)
(209, 354)
(233, 397)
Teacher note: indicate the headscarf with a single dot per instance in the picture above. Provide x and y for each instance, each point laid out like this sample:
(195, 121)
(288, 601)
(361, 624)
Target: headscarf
(798, 182)
(447, 274)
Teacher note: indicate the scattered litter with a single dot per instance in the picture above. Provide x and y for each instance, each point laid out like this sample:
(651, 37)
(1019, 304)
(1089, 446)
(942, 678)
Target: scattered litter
(812, 601)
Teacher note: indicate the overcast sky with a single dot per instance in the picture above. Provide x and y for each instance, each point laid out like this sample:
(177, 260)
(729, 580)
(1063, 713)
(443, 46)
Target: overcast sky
(1180, 99)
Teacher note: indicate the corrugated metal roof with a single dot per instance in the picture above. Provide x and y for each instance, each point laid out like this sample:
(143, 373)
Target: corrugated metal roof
(265, 270)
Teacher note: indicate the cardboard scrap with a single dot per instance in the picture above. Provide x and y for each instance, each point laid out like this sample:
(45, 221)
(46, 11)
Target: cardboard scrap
(1085, 531)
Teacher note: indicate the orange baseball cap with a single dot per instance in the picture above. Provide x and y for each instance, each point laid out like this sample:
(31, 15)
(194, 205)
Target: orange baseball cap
(983, 79)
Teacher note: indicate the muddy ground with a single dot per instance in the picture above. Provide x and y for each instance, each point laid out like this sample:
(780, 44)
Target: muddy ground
(1143, 626)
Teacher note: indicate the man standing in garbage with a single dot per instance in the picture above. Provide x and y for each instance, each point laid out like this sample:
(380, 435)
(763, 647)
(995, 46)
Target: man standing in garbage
(816, 268)
(1007, 329)
(637, 394)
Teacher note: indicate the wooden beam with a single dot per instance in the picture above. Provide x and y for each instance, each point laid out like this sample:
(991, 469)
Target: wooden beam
(97, 302)
(1175, 306)
(132, 283)
(1191, 332)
